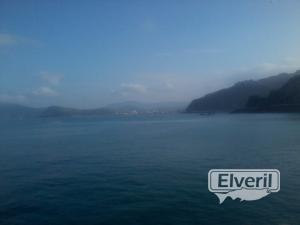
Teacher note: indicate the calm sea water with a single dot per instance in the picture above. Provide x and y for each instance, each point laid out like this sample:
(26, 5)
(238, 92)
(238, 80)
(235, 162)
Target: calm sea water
(144, 170)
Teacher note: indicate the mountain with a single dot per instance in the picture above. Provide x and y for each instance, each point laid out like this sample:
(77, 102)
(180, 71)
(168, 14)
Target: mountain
(285, 99)
(123, 108)
(236, 97)
(56, 111)
(15, 111)
(10, 110)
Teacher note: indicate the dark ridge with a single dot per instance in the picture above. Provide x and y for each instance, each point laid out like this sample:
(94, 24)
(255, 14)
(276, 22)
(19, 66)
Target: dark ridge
(284, 99)
(236, 97)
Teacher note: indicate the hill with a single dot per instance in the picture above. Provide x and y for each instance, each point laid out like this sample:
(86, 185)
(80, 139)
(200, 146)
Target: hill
(10, 110)
(236, 97)
(285, 99)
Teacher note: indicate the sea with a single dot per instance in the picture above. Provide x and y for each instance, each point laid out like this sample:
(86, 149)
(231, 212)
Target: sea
(144, 170)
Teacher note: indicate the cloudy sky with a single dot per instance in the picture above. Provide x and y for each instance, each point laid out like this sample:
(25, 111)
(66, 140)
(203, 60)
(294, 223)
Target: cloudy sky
(92, 53)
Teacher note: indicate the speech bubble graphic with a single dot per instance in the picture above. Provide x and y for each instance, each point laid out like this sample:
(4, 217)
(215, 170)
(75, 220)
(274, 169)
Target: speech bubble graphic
(243, 184)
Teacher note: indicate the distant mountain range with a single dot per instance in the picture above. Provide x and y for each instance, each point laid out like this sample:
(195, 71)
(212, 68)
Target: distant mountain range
(280, 93)
(56, 111)
(238, 96)
(8, 110)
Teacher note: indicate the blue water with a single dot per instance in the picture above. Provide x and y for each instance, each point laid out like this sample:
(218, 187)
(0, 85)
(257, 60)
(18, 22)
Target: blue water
(144, 170)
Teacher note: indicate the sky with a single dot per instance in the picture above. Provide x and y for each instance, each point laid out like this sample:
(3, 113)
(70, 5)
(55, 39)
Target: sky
(92, 53)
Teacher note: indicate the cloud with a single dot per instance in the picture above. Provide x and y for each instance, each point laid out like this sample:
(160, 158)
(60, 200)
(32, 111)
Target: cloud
(11, 40)
(190, 52)
(156, 90)
(175, 86)
(14, 98)
(45, 91)
(133, 88)
(194, 51)
(168, 85)
(7, 39)
(164, 54)
(51, 78)
(287, 65)
(148, 26)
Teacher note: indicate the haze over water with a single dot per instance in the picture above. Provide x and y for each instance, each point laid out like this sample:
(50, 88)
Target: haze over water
(144, 170)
